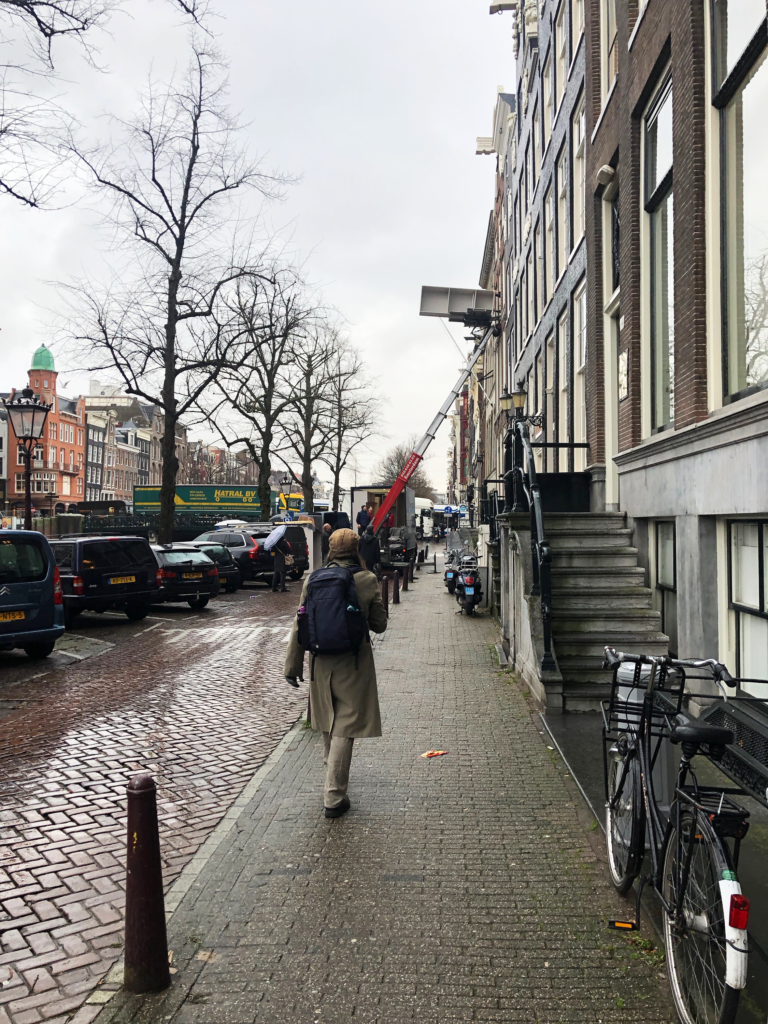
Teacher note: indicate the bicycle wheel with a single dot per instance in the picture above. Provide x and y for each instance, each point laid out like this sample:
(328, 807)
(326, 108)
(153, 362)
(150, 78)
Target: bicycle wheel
(624, 822)
(696, 945)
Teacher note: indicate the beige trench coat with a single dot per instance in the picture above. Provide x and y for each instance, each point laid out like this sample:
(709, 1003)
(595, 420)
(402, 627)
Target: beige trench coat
(344, 699)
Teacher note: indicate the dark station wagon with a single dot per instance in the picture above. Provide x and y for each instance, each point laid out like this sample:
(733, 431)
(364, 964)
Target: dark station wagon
(186, 574)
(98, 573)
(31, 605)
(246, 544)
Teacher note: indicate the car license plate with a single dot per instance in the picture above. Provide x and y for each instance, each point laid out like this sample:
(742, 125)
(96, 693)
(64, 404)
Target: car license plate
(469, 590)
(193, 575)
(449, 575)
(122, 579)
(11, 616)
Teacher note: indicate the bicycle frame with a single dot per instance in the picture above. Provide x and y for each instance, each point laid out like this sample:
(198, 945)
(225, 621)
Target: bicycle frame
(645, 725)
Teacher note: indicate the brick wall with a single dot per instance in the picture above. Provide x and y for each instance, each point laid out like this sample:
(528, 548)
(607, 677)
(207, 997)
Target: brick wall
(668, 32)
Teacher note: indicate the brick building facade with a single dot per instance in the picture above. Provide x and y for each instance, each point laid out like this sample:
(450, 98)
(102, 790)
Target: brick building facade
(58, 467)
(677, 229)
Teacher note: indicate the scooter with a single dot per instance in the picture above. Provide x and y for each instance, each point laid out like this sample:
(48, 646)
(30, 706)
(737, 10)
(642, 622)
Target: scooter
(451, 573)
(469, 590)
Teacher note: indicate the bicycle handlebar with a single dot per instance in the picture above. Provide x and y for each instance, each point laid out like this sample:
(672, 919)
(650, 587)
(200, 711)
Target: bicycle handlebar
(719, 672)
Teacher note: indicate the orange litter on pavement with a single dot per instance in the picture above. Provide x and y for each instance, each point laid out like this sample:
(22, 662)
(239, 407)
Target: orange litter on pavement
(434, 753)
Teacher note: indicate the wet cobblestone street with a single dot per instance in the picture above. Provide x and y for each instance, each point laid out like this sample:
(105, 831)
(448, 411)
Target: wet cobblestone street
(197, 699)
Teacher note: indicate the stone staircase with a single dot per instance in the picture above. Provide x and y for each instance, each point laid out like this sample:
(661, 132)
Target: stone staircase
(599, 597)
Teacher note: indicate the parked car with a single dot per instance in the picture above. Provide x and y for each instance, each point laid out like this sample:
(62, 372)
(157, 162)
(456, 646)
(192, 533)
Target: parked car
(98, 573)
(221, 556)
(186, 574)
(246, 545)
(31, 602)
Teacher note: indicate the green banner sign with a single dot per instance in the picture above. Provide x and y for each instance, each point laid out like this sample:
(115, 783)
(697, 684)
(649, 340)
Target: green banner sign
(200, 498)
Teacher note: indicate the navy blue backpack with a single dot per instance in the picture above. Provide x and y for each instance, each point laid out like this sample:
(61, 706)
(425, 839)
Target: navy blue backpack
(331, 620)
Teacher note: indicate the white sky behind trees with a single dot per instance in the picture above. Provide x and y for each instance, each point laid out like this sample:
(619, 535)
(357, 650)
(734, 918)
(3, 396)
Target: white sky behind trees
(376, 107)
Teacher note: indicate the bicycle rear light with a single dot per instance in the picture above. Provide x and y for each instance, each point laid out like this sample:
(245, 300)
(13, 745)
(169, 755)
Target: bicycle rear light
(739, 914)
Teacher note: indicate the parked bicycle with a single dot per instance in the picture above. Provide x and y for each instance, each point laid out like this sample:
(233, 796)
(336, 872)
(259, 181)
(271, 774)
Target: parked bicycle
(694, 849)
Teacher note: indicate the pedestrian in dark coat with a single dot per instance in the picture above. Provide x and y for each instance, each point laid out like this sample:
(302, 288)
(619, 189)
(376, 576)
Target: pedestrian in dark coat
(362, 520)
(344, 700)
(370, 549)
(325, 540)
(279, 551)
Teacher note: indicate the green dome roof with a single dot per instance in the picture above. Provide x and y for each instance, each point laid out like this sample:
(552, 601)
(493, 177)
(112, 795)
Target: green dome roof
(43, 360)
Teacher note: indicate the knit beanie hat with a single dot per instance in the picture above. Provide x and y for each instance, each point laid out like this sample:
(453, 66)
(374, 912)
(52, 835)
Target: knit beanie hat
(343, 544)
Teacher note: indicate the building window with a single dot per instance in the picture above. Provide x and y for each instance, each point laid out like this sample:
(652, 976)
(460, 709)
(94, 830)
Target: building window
(666, 581)
(549, 247)
(610, 46)
(563, 376)
(531, 291)
(580, 376)
(747, 597)
(541, 299)
(546, 87)
(579, 171)
(659, 206)
(562, 213)
(577, 23)
(741, 91)
(535, 148)
(615, 244)
(561, 55)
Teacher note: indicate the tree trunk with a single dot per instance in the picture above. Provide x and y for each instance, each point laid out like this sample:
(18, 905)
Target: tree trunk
(306, 486)
(168, 484)
(265, 491)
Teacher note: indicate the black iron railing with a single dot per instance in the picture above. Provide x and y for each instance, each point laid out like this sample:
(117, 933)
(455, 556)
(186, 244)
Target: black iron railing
(527, 496)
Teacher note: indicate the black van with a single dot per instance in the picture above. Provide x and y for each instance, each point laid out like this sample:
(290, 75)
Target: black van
(98, 573)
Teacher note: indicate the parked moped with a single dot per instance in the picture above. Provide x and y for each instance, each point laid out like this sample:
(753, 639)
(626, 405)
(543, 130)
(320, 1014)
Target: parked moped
(469, 590)
(451, 572)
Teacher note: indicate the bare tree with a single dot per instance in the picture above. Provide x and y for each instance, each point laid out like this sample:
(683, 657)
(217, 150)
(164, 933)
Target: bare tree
(391, 465)
(251, 399)
(307, 428)
(353, 411)
(32, 125)
(165, 324)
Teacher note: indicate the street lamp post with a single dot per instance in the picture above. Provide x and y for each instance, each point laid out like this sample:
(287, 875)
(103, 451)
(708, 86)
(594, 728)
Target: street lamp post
(519, 396)
(285, 490)
(27, 418)
(506, 405)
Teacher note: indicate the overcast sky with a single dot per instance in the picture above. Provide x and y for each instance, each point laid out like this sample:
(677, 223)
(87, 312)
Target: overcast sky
(376, 107)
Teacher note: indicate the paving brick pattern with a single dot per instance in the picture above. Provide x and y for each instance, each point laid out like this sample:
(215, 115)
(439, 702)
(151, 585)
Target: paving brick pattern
(199, 705)
(463, 888)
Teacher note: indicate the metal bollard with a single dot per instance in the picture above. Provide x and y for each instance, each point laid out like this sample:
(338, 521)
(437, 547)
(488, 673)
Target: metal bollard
(396, 587)
(410, 571)
(435, 567)
(426, 552)
(385, 592)
(146, 944)
(405, 579)
(421, 555)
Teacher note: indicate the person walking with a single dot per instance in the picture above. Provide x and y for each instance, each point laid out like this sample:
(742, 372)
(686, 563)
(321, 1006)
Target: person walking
(279, 552)
(343, 697)
(363, 518)
(325, 540)
(370, 549)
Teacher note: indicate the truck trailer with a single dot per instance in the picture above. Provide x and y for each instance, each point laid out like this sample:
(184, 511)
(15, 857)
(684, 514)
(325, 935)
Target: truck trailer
(397, 533)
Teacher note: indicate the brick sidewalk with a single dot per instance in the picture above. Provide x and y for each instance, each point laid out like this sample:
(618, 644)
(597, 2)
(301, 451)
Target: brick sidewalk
(462, 888)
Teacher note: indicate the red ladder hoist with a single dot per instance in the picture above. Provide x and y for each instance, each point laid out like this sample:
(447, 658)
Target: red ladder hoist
(420, 450)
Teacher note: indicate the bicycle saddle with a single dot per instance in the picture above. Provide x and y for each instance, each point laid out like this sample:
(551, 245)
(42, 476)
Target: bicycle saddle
(686, 732)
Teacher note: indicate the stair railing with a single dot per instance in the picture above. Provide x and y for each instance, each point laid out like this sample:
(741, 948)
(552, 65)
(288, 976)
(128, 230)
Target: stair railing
(526, 492)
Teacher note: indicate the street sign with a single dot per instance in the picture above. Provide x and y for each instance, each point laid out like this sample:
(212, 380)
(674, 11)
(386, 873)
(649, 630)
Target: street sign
(462, 508)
